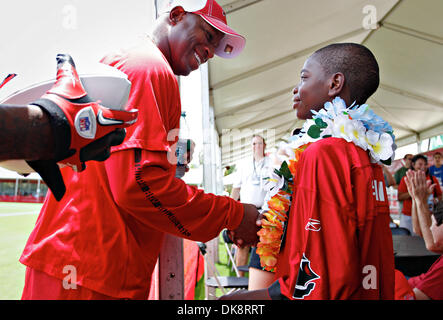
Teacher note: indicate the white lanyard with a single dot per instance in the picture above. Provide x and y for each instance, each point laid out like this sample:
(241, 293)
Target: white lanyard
(255, 177)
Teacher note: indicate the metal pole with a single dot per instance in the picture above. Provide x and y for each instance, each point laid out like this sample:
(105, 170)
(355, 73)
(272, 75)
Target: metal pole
(38, 188)
(207, 132)
(208, 172)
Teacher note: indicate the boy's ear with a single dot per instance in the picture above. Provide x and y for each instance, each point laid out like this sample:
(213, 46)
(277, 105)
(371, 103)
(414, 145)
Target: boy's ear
(176, 14)
(336, 84)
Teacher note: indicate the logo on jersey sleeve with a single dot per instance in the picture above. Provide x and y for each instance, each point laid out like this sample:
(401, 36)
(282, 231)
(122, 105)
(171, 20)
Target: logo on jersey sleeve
(378, 190)
(313, 225)
(305, 279)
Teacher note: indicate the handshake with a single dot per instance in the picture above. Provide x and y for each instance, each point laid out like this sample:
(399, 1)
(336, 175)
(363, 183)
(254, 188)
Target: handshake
(246, 233)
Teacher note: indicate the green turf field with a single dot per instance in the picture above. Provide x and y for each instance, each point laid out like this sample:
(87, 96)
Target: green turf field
(16, 223)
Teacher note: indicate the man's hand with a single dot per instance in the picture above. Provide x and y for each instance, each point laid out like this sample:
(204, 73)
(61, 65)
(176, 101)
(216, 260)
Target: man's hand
(184, 152)
(83, 129)
(246, 233)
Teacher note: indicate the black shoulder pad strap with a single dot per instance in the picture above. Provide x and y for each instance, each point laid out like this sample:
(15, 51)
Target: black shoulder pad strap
(60, 126)
(51, 175)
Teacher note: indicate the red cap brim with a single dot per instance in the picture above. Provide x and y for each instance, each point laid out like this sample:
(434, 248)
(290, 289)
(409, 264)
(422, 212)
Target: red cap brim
(232, 44)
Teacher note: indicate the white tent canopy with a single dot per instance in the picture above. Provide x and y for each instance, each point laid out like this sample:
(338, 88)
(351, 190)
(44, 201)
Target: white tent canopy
(253, 92)
(34, 32)
(6, 174)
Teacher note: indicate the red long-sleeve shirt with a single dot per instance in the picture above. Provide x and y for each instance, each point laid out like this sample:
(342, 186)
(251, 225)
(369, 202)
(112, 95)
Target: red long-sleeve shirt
(110, 224)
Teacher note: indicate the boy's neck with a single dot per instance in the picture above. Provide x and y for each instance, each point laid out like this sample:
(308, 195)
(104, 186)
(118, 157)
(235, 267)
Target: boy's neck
(346, 96)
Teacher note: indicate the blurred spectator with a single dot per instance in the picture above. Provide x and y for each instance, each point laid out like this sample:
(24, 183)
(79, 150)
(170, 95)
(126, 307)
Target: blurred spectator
(248, 185)
(419, 163)
(400, 173)
(437, 170)
(389, 179)
(429, 225)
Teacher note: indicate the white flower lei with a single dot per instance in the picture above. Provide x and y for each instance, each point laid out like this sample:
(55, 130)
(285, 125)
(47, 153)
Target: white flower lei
(357, 124)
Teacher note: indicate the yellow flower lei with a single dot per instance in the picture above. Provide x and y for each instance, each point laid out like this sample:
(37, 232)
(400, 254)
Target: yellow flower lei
(271, 233)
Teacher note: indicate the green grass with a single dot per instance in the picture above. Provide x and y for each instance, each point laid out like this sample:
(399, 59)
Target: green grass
(14, 232)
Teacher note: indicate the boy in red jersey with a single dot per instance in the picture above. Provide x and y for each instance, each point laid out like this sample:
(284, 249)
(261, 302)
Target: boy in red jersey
(338, 244)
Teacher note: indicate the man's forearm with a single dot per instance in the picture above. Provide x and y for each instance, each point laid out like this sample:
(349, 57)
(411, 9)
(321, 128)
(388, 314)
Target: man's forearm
(424, 219)
(26, 133)
(415, 222)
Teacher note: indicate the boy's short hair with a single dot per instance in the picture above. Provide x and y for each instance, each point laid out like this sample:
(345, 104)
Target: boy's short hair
(356, 62)
(436, 153)
(438, 213)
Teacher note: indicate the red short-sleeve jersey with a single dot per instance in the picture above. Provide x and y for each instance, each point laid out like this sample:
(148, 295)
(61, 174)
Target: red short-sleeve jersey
(431, 282)
(338, 243)
(110, 224)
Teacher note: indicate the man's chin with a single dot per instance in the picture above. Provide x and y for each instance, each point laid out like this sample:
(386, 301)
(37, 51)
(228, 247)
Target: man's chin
(182, 70)
(182, 73)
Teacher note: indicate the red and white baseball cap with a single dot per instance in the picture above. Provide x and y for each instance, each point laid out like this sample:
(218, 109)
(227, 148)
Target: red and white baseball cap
(232, 43)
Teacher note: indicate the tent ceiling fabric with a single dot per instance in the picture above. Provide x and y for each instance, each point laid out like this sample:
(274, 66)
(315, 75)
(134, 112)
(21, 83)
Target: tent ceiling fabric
(253, 92)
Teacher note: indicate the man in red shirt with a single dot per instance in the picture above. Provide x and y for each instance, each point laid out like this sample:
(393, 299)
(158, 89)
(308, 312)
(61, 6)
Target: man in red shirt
(102, 240)
(419, 163)
(338, 244)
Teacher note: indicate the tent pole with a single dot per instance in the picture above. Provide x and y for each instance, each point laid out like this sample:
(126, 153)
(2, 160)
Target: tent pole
(208, 169)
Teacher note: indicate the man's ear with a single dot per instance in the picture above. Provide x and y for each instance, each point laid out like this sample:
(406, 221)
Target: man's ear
(176, 15)
(336, 84)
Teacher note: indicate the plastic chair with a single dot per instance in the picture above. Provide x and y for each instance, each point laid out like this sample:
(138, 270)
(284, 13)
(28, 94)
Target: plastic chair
(231, 251)
(223, 282)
